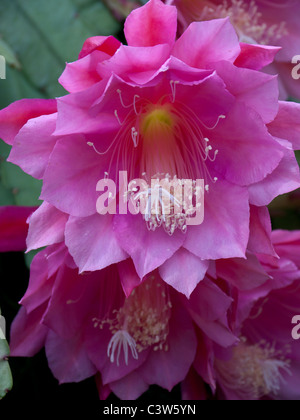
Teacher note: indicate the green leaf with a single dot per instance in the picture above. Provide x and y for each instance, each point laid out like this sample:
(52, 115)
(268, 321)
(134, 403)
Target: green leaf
(6, 381)
(18, 188)
(43, 35)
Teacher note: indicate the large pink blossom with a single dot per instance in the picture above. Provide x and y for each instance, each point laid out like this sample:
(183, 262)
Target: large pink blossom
(265, 22)
(89, 327)
(265, 362)
(180, 108)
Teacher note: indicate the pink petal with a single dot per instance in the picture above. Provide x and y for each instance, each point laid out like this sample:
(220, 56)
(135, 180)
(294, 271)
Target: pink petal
(40, 284)
(153, 24)
(285, 178)
(167, 369)
(28, 335)
(128, 276)
(92, 242)
(260, 231)
(148, 250)
(243, 274)
(68, 359)
(183, 271)
(70, 301)
(18, 113)
(242, 156)
(46, 227)
(225, 230)
(287, 123)
(33, 145)
(82, 74)
(256, 56)
(138, 64)
(205, 43)
(106, 44)
(257, 90)
(64, 183)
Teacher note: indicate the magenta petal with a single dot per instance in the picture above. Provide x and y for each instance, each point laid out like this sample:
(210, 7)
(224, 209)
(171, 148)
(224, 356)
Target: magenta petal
(14, 227)
(33, 145)
(17, 114)
(106, 44)
(167, 369)
(64, 183)
(287, 123)
(82, 73)
(153, 24)
(68, 359)
(285, 178)
(243, 274)
(216, 41)
(260, 231)
(40, 285)
(92, 242)
(129, 388)
(70, 302)
(46, 227)
(183, 271)
(28, 335)
(193, 388)
(149, 250)
(256, 57)
(257, 90)
(128, 276)
(225, 230)
(242, 155)
(138, 64)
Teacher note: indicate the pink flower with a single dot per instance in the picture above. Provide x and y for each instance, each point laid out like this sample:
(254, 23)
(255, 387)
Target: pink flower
(265, 363)
(88, 327)
(181, 109)
(265, 22)
(13, 228)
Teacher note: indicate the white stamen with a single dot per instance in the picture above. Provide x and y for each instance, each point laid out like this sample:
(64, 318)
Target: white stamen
(121, 339)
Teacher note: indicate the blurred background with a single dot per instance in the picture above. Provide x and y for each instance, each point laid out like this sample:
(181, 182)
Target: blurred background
(37, 38)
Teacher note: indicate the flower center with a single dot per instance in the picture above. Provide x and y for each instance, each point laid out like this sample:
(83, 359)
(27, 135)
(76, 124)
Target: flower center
(142, 322)
(156, 119)
(254, 371)
(245, 17)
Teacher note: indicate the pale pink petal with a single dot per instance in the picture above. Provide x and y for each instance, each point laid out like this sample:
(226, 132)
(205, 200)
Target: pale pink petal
(205, 43)
(18, 113)
(225, 230)
(93, 243)
(148, 250)
(46, 227)
(287, 123)
(183, 271)
(33, 145)
(152, 24)
(256, 57)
